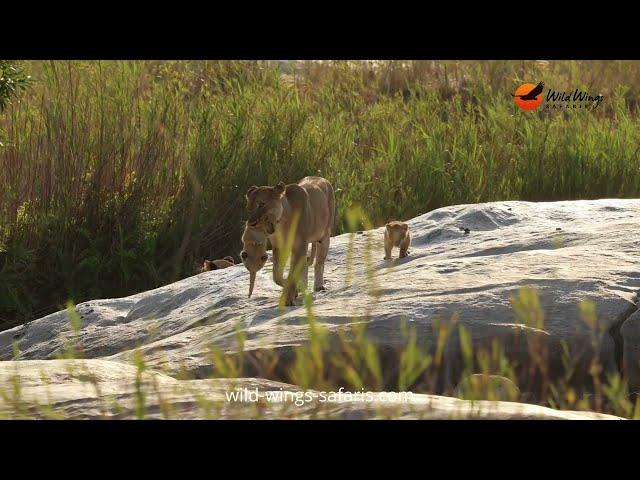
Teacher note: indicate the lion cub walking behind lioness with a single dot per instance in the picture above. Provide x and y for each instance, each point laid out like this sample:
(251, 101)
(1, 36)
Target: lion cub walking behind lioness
(396, 234)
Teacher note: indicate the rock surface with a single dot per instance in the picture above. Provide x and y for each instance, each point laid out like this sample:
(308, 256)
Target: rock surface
(100, 389)
(447, 275)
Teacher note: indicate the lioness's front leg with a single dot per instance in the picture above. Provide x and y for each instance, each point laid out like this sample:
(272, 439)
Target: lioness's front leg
(312, 255)
(321, 256)
(277, 267)
(298, 270)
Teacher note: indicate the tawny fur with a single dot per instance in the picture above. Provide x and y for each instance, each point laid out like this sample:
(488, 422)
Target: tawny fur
(396, 234)
(254, 252)
(254, 248)
(266, 225)
(225, 262)
(307, 209)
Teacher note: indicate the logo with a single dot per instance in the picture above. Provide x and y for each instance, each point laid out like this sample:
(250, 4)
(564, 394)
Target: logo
(529, 96)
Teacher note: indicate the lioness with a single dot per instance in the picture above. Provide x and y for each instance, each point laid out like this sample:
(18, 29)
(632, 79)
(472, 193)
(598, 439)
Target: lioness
(396, 234)
(303, 210)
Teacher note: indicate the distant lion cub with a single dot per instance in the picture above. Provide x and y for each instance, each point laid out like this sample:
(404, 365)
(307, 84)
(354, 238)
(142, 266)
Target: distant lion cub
(396, 234)
(225, 262)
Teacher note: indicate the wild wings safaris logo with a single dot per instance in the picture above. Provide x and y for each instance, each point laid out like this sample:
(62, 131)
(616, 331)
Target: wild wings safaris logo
(529, 96)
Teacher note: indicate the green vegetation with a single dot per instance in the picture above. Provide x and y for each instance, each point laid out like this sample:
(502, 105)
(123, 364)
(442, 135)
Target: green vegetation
(12, 81)
(118, 176)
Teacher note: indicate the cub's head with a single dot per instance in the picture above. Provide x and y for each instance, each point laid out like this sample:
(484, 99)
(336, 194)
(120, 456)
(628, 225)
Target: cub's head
(207, 266)
(264, 206)
(396, 229)
(254, 256)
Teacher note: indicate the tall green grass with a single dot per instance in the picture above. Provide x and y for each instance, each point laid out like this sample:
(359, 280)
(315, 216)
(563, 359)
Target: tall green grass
(118, 176)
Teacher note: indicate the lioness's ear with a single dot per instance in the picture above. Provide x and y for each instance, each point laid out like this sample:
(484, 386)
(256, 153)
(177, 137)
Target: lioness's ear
(279, 189)
(248, 196)
(405, 227)
(251, 189)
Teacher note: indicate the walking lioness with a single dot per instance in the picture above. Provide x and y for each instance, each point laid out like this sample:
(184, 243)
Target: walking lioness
(300, 213)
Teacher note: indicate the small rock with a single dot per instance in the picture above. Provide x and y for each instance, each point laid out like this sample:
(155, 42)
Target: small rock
(466, 230)
(558, 228)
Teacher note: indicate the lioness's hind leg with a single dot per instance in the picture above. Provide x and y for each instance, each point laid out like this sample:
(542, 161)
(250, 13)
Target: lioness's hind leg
(321, 256)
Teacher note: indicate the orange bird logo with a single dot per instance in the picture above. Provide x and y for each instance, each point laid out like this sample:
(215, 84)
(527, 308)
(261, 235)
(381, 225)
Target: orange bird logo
(528, 96)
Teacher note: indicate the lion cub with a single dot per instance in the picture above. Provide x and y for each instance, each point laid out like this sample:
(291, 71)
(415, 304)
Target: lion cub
(396, 234)
(254, 252)
(225, 262)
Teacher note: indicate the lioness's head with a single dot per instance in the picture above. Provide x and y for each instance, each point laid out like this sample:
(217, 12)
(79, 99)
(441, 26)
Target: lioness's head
(264, 206)
(254, 253)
